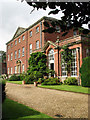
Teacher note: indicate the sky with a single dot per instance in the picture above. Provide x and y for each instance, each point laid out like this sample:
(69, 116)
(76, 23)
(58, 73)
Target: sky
(14, 14)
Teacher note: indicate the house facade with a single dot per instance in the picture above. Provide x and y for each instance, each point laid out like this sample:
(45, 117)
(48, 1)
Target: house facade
(3, 67)
(28, 40)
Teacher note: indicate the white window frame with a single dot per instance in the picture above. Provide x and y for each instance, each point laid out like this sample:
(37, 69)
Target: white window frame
(15, 42)
(30, 33)
(11, 70)
(30, 48)
(63, 65)
(37, 44)
(74, 32)
(23, 51)
(23, 37)
(19, 40)
(37, 29)
(74, 64)
(58, 29)
(87, 52)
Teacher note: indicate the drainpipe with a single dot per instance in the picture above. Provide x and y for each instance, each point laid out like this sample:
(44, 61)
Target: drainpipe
(78, 49)
(58, 56)
(41, 34)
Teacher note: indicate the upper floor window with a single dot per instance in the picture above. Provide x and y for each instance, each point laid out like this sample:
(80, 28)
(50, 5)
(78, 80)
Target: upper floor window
(11, 55)
(19, 53)
(37, 44)
(30, 48)
(87, 52)
(58, 29)
(23, 51)
(23, 37)
(51, 55)
(15, 42)
(15, 54)
(8, 57)
(37, 29)
(30, 33)
(8, 46)
(74, 32)
(11, 45)
(19, 40)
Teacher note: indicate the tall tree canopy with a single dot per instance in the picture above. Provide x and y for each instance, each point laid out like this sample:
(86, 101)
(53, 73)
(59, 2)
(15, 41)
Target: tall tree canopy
(76, 14)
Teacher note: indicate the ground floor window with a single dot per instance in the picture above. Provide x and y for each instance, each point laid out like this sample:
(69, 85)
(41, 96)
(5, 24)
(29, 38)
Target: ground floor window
(73, 65)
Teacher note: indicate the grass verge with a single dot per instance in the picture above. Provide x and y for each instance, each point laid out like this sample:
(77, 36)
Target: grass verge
(15, 82)
(72, 88)
(12, 110)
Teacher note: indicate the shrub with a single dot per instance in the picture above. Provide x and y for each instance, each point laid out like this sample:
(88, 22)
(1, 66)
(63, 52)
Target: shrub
(22, 76)
(71, 81)
(40, 80)
(29, 79)
(14, 78)
(85, 72)
(51, 81)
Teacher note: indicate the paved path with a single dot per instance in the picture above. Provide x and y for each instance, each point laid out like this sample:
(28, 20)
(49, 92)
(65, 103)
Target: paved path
(51, 102)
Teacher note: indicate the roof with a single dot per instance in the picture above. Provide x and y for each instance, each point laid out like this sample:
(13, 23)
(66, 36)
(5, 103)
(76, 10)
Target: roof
(21, 30)
(49, 43)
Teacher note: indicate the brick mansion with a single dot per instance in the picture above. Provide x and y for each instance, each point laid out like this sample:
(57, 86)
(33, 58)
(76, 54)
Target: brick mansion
(28, 40)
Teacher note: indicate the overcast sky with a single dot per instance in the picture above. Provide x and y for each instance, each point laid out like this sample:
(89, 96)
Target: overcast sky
(16, 13)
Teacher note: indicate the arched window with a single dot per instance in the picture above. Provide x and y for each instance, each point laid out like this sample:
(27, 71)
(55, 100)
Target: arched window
(51, 55)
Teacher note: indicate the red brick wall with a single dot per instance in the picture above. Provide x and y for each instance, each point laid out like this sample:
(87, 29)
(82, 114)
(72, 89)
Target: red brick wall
(32, 40)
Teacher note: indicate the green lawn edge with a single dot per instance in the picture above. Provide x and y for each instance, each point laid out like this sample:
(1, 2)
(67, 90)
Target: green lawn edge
(68, 88)
(14, 82)
(12, 110)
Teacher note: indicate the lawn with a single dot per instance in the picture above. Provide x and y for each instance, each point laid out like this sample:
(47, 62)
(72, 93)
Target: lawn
(72, 88)
(15, 82)
(12, 110)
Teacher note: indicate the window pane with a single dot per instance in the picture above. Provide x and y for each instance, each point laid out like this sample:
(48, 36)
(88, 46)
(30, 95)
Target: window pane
(23, 37)
(37, 44)
(30, 33)
(74, 64)
(30, 48)
(23, 51)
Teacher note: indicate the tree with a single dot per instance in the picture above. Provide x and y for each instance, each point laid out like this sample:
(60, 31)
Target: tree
(85, 72)
(76, 14)
(37, 65)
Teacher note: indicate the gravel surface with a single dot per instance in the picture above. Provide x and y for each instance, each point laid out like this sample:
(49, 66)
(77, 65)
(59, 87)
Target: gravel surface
(57, 104)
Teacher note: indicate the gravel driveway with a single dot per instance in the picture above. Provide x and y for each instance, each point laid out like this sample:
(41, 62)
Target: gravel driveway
(57, 104)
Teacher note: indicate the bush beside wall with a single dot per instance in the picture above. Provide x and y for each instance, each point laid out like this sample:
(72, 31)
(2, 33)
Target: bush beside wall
(85, 72)
(71, 81)
(51, 81)
(14, 78)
